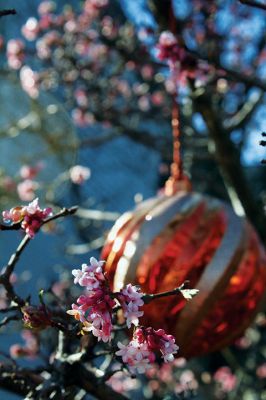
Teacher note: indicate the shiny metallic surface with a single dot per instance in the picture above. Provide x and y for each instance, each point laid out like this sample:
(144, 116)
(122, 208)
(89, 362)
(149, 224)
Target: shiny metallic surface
(188, 236)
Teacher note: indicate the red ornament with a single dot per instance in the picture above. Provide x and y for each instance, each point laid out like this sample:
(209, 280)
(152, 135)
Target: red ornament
(188, 236)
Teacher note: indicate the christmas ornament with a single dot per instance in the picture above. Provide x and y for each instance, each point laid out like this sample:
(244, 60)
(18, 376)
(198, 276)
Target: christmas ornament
(188, 236)
(179, 236)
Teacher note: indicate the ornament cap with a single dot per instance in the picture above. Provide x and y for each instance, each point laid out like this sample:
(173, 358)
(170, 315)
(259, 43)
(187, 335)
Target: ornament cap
(173, 186)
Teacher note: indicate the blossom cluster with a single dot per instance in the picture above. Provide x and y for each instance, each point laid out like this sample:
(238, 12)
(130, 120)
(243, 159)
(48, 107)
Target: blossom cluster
(141, 351)
(96, 308)
(170, 50)
(29, 217)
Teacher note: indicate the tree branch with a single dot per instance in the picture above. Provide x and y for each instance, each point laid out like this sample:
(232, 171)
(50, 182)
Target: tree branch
(244, 114)
(11, 11)
(87, 381)
(251, 80)
(228, 159)
(5, 276)
(253, 4)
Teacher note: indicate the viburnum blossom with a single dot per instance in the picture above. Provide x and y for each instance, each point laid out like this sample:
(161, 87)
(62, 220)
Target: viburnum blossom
(136, 355)
(30, 172)
(157, 341)
(15, 53)
(95, 310)
(95, 307)
(91, 275)
(78, 174)
(29, 349)
(131, 299)
(141, 350)
(30, 217)
(26, 189)
(179, 60)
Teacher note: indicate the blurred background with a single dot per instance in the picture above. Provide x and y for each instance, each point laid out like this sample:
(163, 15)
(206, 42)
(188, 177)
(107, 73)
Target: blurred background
(85, 118)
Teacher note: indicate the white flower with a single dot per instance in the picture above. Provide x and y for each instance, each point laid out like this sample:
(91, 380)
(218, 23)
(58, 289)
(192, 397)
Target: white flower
(78, 174)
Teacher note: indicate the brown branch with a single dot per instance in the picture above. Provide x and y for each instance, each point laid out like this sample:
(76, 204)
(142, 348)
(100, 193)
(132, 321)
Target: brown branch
(11, 11)
(242, 117)
(253, 4)
(228, 158)
(18, 381)
(250, 80)
(147, 298)
(5, 276)
(6, 320)
(87, 381)
(13, 227)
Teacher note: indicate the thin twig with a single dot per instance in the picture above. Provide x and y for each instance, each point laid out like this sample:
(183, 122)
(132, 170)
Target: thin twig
(253, 4)
(13, 227)
(8, 270)
(6, 320)
(11, 11)
(147, 298)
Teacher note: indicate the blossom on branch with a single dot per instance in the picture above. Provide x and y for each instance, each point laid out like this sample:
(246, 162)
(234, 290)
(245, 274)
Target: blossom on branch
(141, 350)
(36, 318)
(130, 299)
(95, 307)
(30, 217)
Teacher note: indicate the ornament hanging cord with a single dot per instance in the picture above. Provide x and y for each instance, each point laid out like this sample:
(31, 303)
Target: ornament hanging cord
(177, 180)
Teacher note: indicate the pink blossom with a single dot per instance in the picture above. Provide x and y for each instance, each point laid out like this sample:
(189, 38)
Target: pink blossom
(100, 324)
(77, 313)
(132, 314)
(167, 39)
(29, 349)
(46, 21)
(46, 7)
(141, 350)
(81, 97)
(90, 274)
(261, 371)
(226, 379)
(95, 307)
(158, 341)
(31, 29)
(29, 81)
(26, 189)
(29, 172)
(31, 217)
(15, 53)
(130, 299)
(78, 174)
(136, 355)
(43, 50)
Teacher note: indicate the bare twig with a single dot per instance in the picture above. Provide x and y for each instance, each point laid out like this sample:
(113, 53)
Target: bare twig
(244, 114)
(251, 79)
(87, 381)
(147, 298)
(5, 276)
(253, 4)
(13, 227)
(11, 11)
(6, 320)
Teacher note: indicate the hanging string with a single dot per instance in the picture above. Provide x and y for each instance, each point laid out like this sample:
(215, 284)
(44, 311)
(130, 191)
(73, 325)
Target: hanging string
(177, 180)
